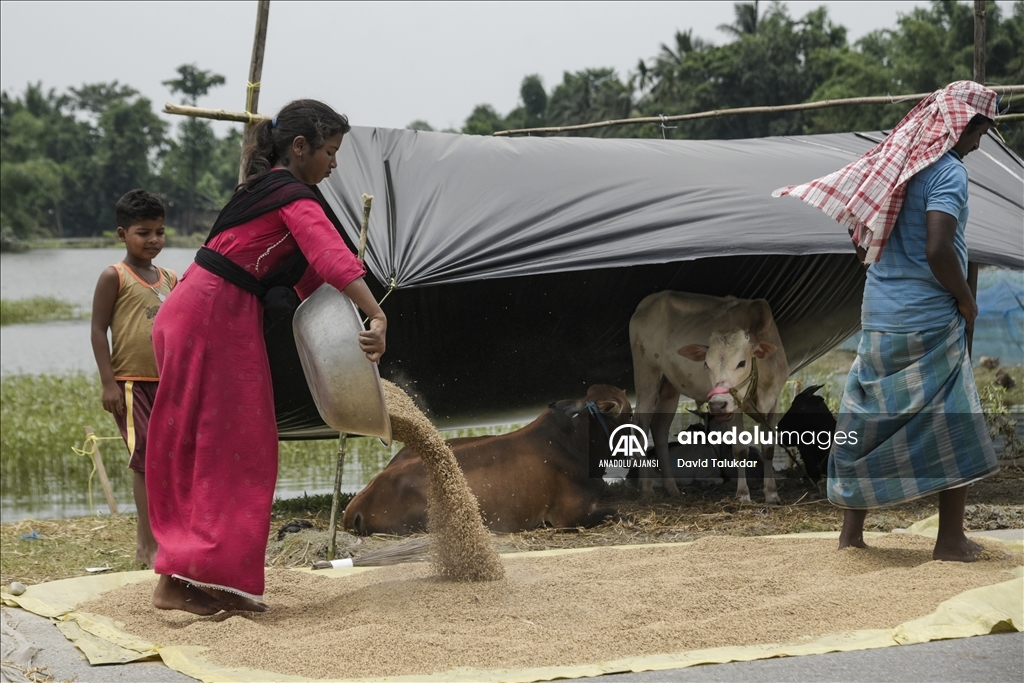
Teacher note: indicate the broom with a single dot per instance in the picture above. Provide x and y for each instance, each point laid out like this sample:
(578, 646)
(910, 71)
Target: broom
(410, 550)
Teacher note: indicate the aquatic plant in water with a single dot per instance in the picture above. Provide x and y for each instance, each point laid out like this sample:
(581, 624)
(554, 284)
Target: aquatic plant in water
(34, 310)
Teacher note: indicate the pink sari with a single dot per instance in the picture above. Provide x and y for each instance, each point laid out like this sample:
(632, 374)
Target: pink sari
(211, 465)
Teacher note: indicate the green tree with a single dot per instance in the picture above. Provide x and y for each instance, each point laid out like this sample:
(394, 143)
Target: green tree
(746, 20)
(420, 124)
(66, 159)
(587, 96)
(193, 150)
(483, 121)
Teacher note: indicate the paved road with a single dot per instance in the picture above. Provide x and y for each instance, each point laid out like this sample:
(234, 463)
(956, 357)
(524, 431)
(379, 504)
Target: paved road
(997, 658)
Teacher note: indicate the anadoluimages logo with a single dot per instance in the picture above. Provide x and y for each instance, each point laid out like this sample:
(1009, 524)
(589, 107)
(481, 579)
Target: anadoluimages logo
(628, 441)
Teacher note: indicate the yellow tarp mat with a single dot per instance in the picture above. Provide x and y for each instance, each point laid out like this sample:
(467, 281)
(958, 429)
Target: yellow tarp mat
(991, 609)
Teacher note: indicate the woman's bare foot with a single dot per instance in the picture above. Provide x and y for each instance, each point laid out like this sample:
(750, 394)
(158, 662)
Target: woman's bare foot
(144, 556)
(230, 601)
(957, 550)
(173, 594)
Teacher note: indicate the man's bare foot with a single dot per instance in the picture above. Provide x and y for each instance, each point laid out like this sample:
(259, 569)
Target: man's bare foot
(853, 542)
(173, 594)
(230, 601)
(957, 550)
(852, 534)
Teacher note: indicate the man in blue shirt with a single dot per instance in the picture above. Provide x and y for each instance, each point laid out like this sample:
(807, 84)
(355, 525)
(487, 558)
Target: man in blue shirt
(911, 393)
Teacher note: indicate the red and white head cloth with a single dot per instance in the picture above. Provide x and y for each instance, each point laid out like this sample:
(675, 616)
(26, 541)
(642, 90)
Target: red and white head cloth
(867, 195)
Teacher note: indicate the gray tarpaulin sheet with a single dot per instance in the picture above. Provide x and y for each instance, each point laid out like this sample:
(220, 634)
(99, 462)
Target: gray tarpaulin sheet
(519, 261)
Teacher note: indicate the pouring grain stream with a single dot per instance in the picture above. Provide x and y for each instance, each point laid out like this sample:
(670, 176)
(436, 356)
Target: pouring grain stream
(461, 547)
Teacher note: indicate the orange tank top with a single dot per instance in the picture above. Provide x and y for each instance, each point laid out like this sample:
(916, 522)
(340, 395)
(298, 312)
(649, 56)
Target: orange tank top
(131, 325)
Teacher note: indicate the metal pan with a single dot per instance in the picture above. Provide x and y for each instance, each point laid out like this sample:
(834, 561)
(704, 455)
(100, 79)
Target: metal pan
(345, 385)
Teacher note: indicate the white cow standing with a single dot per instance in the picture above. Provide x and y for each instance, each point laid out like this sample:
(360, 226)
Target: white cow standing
(722, 351)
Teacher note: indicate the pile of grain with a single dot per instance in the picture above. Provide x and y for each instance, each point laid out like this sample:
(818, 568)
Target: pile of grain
(580, 608)
(461, 547)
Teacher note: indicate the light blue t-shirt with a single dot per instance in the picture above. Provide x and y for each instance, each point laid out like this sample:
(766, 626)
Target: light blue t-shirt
(901, 294)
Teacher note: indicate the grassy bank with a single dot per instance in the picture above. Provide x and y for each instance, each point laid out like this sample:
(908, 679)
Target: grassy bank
(37, 309)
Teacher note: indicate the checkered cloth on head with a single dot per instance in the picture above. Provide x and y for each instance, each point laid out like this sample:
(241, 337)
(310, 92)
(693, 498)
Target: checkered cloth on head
(867, 195)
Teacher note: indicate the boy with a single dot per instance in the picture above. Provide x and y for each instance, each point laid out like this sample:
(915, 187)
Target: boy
(128, 296)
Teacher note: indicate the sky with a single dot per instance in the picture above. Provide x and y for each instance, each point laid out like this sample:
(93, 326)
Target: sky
(382, 63)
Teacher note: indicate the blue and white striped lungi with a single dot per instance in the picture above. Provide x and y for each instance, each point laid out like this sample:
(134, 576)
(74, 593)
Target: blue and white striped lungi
(911, 402)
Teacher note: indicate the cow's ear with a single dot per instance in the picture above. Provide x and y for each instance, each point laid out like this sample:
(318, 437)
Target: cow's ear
(614, 407)
(764, 349)
(697, 352)
(759, 315)
(567, 406)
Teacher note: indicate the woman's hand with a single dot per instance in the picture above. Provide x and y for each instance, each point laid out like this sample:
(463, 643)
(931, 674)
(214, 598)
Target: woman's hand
(373, 341)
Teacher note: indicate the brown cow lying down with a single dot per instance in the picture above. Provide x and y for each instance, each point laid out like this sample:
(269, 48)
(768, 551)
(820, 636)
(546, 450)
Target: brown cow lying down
(536, 476)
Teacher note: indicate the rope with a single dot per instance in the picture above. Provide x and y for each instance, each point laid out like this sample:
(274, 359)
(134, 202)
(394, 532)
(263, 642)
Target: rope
(251, 89)
(748, 404)
(392, 287)
(89, 449)
(250, 93)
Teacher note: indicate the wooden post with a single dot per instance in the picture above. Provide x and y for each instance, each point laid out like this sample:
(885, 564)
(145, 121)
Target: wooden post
(252, 88)
(97, 460)
(979, 41)
(979, 77)
(332, 529)
(367, 203)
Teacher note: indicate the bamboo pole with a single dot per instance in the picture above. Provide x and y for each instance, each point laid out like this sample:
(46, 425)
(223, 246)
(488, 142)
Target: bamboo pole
(367, 203)
(979, 77)
(332, 529)
(979, 41)
(97, 461)
(215, 114)
(252, 87)
(887, 99)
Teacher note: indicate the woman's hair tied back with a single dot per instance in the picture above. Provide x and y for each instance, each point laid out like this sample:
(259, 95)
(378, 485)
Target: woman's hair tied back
(271, 138)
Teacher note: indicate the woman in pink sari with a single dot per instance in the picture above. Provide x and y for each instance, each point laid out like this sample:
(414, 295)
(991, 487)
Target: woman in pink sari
(212, 462)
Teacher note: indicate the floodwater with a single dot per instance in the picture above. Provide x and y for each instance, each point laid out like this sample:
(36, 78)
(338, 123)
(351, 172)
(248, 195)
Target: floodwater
(68, 275)
(59, 487)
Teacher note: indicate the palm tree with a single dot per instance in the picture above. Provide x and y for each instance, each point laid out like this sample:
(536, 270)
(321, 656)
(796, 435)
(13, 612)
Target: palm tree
(746, 20)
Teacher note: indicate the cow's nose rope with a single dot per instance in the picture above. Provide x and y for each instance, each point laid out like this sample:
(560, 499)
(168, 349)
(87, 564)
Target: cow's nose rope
(596, 412)
(748, 404)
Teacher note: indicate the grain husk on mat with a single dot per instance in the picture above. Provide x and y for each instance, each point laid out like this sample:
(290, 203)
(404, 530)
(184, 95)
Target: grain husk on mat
(571, 609)
(461, 547)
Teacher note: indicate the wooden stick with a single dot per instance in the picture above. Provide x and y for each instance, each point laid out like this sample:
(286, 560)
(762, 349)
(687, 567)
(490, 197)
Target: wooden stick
(1006, 89)
(979, 41)
(332, 529)
(252, 88)
(979, 77)
(216, 114)
(97, 460)
(367, 201)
